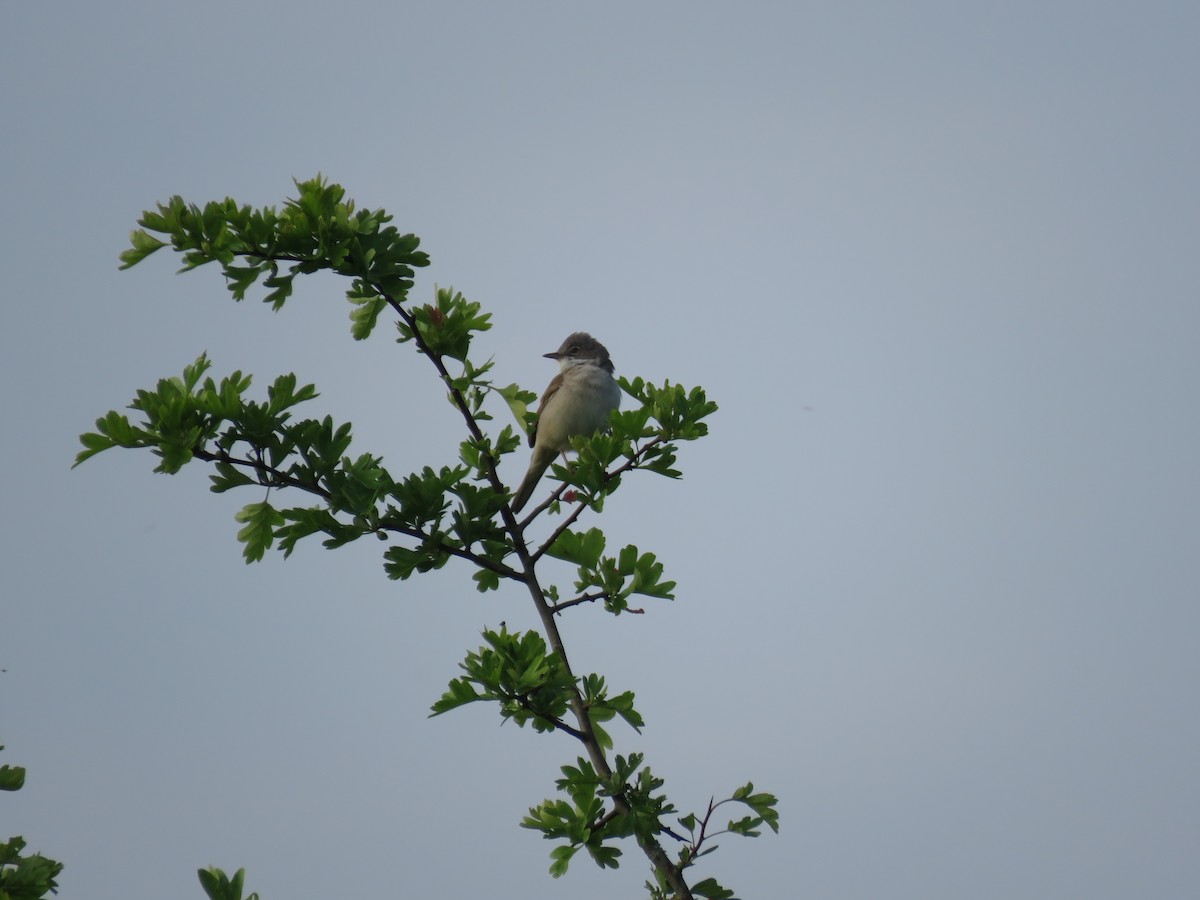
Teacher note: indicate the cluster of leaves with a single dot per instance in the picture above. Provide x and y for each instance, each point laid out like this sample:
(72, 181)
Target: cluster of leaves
(530, 684)
(642, 437)
(447, 512)
(432, 515)
(533, 686)
(763, 811)
(612, 579)
(318, 230)
(23, 877)
(257, 443)
(588, 818)
(220, 886)
(445, 328)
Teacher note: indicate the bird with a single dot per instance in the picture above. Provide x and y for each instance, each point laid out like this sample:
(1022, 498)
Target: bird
(577, 401)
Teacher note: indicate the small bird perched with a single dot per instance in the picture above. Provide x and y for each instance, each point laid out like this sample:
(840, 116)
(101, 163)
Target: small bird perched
(577, 401)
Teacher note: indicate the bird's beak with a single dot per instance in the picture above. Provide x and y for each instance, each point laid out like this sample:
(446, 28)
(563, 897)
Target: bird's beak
(553, 355)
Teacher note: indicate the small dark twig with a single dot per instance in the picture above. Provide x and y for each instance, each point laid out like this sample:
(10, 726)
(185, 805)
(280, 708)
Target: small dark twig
(556, 722)
(544, 505)
(585, 598)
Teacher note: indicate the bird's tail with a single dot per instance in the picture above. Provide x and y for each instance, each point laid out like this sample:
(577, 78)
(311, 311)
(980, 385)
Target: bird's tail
(538, 464)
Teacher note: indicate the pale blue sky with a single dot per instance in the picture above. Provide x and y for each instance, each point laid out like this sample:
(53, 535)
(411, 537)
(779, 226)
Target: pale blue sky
(937, 562)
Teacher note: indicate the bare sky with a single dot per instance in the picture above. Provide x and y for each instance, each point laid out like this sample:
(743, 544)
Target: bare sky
(937, 562)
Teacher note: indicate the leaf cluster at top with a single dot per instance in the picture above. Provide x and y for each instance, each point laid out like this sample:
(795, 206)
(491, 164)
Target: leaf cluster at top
(317, 230)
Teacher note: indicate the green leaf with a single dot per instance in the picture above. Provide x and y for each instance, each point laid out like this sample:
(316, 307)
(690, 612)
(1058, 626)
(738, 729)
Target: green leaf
(228, 476)
(582, 548)
(518, 401)
(746, 826)
(762, 803)
(365, 314)
(709, 888)
(214, 882)
(281, 289)
(142, 246)
(560, 859)
(401, 563)
(193, 372)
(93, 443)
(486, 580)
(604, 856)
(258, 534)
(647, 574)
(461, 692)
(12, 778)
(238, 279)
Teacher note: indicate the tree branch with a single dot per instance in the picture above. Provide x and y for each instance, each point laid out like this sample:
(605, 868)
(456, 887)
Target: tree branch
(281, 479)
(586, 733)
(628, 465)
(586, 598)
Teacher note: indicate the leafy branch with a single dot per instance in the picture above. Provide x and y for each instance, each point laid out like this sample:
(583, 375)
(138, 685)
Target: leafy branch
(23, 877)
(430, 516)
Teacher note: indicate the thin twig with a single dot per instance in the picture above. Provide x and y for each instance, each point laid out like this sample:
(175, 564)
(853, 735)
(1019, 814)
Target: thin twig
(586, 598)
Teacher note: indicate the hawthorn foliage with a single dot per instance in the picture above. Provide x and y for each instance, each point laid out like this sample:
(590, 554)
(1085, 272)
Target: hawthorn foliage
(307, 482)
(23, 876)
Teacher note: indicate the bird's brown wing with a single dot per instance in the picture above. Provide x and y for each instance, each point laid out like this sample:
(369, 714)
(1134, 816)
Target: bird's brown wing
(551, 390)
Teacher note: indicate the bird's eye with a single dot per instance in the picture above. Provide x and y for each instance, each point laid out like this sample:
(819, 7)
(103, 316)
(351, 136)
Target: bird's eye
(574, 349)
